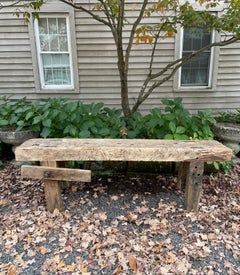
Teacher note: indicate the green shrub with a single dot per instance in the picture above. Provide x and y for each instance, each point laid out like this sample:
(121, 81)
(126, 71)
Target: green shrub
(60, 117)
(177, 123)
(232, 117)
(17, 113)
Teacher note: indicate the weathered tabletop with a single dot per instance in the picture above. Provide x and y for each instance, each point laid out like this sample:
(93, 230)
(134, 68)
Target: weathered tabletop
(51, 152)
(58, 149)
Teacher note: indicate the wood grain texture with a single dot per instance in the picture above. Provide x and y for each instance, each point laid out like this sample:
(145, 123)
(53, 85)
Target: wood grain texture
(52, 191)
(122, 150)
(65, 174)
(194, 175)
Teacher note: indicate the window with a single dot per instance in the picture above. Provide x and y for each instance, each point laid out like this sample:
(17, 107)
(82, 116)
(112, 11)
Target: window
(54, 52)
(197, 72)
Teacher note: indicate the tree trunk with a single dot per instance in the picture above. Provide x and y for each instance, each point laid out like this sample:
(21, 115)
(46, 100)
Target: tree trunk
(123, 81)
(124, 94)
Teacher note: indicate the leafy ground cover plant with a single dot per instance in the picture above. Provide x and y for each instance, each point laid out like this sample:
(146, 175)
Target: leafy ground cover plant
(63, 118)
(17, 113)
(60, 117)
(177, 123)
(232, 117)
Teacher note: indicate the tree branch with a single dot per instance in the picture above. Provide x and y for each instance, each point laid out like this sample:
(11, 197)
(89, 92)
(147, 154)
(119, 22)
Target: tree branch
(175, 65)
(133, 30)
(79, 7)
(10, 5)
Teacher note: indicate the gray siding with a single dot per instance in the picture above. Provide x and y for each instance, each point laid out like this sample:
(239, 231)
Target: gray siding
(16, 70)
(226, 95)
(97, 67)
(98, 73)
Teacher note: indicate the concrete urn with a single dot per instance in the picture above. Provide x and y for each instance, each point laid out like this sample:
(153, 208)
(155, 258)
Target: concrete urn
(229, 134)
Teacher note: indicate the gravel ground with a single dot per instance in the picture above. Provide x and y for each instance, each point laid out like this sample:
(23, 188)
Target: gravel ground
(120, 225)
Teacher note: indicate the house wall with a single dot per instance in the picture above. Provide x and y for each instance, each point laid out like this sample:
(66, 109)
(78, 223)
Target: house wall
(16, 69)
(96, 70)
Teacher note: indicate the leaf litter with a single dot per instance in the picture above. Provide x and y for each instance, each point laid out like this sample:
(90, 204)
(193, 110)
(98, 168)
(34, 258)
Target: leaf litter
(120, 225)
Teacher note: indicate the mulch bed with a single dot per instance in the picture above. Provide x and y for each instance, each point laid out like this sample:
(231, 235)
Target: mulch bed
(120, 225)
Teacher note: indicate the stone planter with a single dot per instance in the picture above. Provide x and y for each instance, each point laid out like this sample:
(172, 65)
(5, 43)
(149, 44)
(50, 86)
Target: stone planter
(229, 134)
(10, 136)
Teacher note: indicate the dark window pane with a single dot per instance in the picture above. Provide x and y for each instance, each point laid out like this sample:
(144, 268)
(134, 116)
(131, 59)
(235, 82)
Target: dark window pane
(196, 71)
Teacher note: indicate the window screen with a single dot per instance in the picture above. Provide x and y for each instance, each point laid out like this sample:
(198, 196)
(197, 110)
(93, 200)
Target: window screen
(54, 52)
(196, 71)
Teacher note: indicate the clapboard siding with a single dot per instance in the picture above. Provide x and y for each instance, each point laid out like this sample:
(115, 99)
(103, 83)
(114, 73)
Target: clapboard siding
(96, 59)
(95, 45)
(229, 76)
(16, 70)
(226, 96)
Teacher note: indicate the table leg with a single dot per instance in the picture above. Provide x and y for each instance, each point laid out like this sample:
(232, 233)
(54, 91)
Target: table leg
(182, 175)
(52, 190)
(194, 176)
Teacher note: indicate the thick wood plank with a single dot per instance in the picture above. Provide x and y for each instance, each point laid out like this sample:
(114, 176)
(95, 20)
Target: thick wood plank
(194, 175)
(122, 150)
(182, 175)
(52, 191)
(65, 174)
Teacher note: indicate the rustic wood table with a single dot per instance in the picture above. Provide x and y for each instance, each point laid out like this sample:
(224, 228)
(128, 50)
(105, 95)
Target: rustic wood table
(51, 154)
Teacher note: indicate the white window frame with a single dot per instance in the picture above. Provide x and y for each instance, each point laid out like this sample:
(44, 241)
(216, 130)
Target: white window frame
(213, 73)
(39, 53)
(210, 73)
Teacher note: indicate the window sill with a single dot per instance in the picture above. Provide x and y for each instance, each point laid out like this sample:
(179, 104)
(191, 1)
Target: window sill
(194, 89)
(57, 91)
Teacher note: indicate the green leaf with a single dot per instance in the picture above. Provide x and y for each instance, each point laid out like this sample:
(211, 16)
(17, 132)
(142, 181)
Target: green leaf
(180, 137)
(97, 107)
(3, 122)
(166, 101)
(169, 136)
(87, 124)
(45, 132)
(47, 123)
(177, 100)
(180, 130)
(84, 134)
(37, 119)
(29, 115)
(20, 123)
(73, 132)
(172, 126)
(153, 123)
(104, 132)
(169, 116)
(73, 106)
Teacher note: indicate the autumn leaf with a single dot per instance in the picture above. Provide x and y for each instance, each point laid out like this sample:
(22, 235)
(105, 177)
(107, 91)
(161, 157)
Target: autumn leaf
(74, 188)
(114, 198)
(61, 264)
(28, 238)
(95, 240)
(4, 201)
(171, 258)
(117, 270)
(131, 217)
(132, 263)
(162, 9)
(42, 250)
(83, 269)
(72, 267)
(11, 270)
(169, 33)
